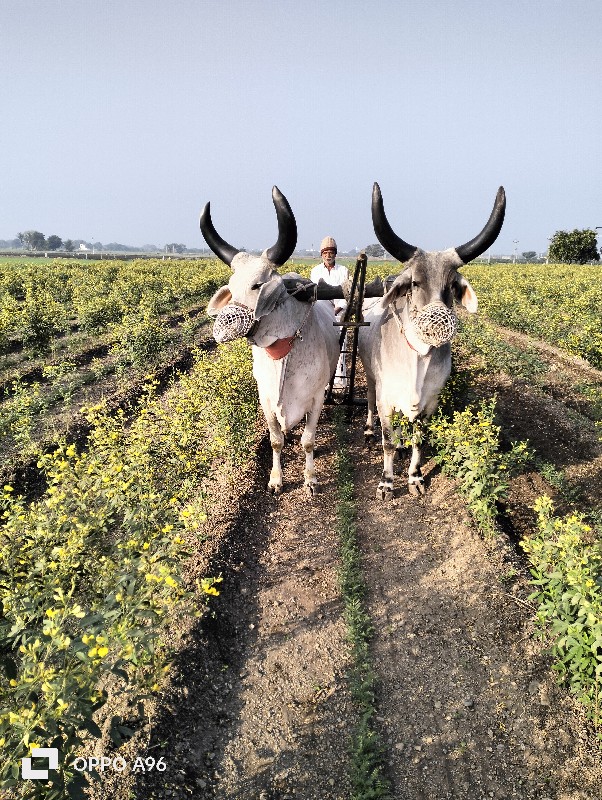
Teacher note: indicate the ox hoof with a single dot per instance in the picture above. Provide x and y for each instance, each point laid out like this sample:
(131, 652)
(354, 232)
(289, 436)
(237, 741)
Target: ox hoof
(416, 489)
(369, 439)
(311, 489)
(384, 492)
(274, 489)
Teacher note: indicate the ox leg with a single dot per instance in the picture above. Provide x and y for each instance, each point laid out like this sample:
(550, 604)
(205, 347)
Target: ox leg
(308, 440)
(277, 442)
(415, 477)
(385, 487)
(369, 437)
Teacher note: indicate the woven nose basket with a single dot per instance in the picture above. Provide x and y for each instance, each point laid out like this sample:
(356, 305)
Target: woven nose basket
(232, 323)
(435, 324)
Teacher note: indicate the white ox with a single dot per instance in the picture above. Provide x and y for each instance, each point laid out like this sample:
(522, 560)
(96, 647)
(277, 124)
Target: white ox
(406, 350)
(295, 344)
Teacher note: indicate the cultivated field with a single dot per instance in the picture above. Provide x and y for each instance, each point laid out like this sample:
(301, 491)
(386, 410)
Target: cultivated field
(160, 608)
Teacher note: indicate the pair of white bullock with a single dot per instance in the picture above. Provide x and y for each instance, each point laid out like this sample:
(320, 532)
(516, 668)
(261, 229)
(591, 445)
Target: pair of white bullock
(405, 350)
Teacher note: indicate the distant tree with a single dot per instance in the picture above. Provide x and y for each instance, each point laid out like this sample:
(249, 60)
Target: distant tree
(374, 251)
(32, 240)
(69, 246)
(54, 242)
(119, 248)
(574, 247)
(529, 255)
(175, 248)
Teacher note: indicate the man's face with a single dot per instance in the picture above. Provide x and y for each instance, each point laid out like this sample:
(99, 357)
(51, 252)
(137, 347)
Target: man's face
(328, 257)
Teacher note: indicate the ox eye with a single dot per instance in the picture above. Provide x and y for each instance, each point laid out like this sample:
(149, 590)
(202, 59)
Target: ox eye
(415, 284)
(257, 286)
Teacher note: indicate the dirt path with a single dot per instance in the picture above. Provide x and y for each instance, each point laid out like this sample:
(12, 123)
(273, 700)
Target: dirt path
(467, 704)
(258, 706)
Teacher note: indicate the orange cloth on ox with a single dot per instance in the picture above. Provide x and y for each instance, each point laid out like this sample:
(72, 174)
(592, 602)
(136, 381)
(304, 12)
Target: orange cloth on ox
(280, 348)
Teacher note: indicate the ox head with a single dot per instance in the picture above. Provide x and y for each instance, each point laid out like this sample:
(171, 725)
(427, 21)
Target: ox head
(431, 281)
(255, 288)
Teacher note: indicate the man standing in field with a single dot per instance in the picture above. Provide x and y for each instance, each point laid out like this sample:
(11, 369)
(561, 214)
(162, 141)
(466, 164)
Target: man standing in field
(335, 275)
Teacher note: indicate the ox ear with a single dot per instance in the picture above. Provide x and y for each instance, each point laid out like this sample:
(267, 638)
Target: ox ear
(220, 299)
(401, 286)
(465, 294)
(271, 293)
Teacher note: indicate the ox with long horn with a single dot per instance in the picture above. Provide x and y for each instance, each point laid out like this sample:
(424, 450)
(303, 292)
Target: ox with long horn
(406, 350)
(295, 344)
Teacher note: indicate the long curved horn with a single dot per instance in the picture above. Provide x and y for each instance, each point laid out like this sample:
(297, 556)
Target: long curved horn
(287, 230)
(399, 249)
(490, 232)
(221, 248)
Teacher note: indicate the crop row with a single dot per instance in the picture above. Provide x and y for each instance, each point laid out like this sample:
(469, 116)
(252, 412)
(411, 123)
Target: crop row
(91, 571)
(38, 301)
(558, 303)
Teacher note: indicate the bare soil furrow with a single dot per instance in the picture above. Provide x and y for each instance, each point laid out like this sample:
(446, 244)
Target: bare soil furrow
(467, 704)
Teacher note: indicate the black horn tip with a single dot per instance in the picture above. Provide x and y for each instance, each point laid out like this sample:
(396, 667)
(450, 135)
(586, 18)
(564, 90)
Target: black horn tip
(475, 247)
(205, 215)
(392, 243)
(219, 246)
(287, 229)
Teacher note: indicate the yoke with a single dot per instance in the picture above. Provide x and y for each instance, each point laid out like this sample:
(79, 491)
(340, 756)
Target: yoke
(305, 290)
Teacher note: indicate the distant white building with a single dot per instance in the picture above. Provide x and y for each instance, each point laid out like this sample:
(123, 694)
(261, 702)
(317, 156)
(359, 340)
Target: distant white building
(83, 247)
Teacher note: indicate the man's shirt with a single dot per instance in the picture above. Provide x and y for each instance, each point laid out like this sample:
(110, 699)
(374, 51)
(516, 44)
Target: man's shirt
(336, 277)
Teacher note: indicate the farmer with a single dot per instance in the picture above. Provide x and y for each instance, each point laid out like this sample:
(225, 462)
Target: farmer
(335, 275)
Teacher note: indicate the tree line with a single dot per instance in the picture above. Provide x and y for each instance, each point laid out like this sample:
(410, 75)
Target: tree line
(36, 241)
(578, 246)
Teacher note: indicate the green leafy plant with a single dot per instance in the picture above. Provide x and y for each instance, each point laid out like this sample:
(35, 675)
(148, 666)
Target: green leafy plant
(41, 318)
(141, 338)
(17, 414)
(367, 774)
(566, 568)
(467, 446)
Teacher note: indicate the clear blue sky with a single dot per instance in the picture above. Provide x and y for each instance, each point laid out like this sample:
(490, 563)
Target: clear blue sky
(122, 118)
